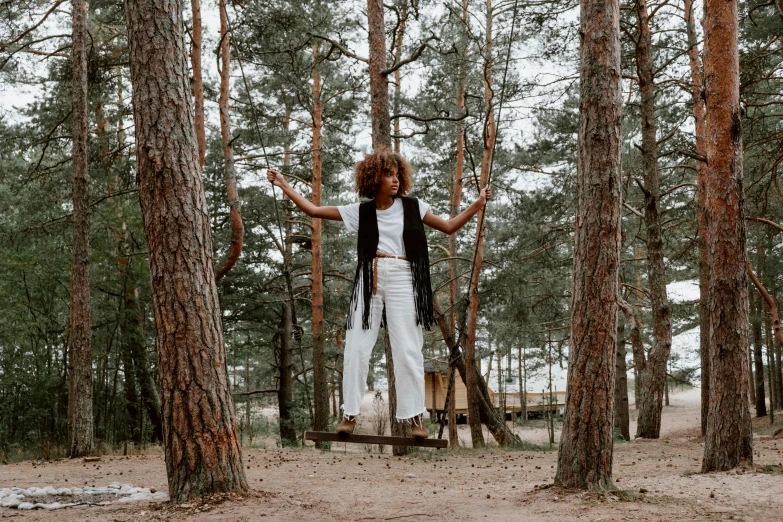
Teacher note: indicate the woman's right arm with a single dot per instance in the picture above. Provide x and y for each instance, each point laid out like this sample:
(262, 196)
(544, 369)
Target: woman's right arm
(300, 201)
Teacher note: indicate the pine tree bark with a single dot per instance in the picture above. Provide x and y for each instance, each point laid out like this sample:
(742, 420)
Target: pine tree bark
(230, 174)
(379, 89)
(586, 443)
(80, 418)
(198, 82)
(697, 100)
(320, 384)
(285, 394)
(200, 437)
(652, 378)
(476, 435)
(729, 439)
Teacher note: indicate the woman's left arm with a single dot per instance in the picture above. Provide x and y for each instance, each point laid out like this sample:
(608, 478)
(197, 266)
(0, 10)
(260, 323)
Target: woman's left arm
(449, 226)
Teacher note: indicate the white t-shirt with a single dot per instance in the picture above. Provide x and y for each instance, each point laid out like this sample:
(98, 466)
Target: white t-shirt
(390, 224)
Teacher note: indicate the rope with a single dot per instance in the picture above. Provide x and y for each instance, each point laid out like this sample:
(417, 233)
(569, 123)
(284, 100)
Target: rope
(459, 337)
(286, 261)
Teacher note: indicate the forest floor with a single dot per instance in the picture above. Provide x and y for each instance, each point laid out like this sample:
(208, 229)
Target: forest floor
(657, 480)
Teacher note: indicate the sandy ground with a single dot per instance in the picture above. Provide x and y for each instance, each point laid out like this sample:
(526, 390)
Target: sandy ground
(658, 480)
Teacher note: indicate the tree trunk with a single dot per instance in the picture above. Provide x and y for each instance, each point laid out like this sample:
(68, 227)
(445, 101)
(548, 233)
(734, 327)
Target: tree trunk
(522, 378)
(320, 385)
(751, 384)
(285, 392)
(701, 182)
(80, 419)
(133, 426)
(652, 378)
(456, 186)
(134, 337)
(133, 432)
(488, 414)
(198, 83)
(398, 428)
(772, 306)
(621, 414)
(758, 359)
(476, 434)
(202, 449)
(397, 80)
(379, 89)
(770, 370)
(778, 351)
(729, 439)
(338, 361)
(452, 412)
(585, 456)
(234, 204)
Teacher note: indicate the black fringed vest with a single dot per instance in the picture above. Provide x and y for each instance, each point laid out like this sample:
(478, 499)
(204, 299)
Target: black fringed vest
(415, 241)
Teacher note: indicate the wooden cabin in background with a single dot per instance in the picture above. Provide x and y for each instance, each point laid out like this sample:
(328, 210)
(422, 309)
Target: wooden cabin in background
(436, 384)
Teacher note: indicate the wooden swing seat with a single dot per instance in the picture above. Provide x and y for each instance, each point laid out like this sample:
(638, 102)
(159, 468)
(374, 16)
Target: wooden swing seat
(328, 436)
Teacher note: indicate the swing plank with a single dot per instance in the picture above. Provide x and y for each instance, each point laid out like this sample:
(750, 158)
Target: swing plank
(375, 439)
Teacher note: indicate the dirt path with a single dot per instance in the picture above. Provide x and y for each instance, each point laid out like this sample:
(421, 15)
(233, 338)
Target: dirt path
(659, 477)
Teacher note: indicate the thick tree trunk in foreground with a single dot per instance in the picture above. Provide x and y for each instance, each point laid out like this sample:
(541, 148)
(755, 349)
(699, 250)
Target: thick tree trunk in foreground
(198, 82)
(234, 204)
(652, 378)
(621, 413)
(80, 421)
(320, 384)
(586, 445)
(729, 439)
(701, 182)
(379, 89)
(200, 437)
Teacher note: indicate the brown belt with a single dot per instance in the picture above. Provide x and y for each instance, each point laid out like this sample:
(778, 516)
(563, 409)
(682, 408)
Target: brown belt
(375, 268)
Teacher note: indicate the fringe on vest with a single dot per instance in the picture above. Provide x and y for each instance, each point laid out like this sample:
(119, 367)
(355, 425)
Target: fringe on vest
(363, 282)
(422, 291)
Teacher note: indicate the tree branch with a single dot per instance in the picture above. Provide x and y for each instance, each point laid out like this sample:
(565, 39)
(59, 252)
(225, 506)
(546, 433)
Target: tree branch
(412, 58)
(4, 45)
(340, 47)
(767, 221)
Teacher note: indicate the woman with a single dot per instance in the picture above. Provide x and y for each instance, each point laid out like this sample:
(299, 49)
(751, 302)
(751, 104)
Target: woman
(392, 278)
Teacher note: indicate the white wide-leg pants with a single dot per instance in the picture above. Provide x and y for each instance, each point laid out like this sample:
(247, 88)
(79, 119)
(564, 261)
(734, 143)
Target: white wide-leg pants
(395, 289)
